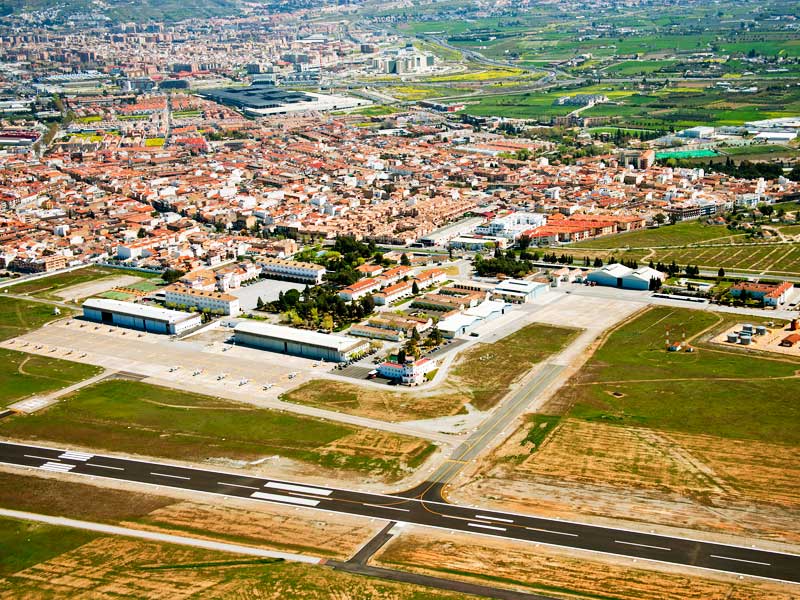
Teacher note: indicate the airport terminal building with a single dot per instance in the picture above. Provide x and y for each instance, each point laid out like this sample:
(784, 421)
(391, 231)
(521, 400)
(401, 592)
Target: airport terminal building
(139, 316)
(308, 344)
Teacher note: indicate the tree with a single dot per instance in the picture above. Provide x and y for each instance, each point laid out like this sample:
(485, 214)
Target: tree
(660, 218)
(327, 322)
(435, 336)
(598, 262)
(414, 289)
(415, 334)
(401, 356)
(260, 304)
(524, 242)
(142, 233)
(172, 275)
(721, 272)
(404, 260)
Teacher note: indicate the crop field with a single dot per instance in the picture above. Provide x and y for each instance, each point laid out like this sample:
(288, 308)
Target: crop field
(555, 573)
(58, 562)
(769, 258)
(134, 417)
(676, 107)
(680, 234)
(482, 377)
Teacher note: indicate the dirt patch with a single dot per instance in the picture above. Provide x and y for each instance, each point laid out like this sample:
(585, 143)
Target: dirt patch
(702, 482)
(92, 288)
(558, 574)
(283, 529)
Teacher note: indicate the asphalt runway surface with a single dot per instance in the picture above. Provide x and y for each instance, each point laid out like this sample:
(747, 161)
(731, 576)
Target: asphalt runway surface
(414, 508)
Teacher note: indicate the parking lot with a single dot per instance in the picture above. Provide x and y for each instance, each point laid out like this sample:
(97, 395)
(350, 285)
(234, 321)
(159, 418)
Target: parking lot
(207, 363)
(266, 289)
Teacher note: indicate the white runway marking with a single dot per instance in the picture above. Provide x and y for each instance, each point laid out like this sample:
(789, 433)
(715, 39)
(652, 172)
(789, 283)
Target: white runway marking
(387, 507)
(57, 467)
(549, 531)
(288, 487)
(642, 545)
(76, 456)
(248, 487)
(105, 466)
(754, 562)
(47, 458)
(167, 475)
(487, 518)
(486, 526)
(286, 499)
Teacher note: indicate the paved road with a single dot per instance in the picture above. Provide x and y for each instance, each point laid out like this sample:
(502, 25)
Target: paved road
(720, 557)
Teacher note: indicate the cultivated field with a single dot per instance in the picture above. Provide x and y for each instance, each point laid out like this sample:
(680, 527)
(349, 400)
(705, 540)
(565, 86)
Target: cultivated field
(707, 440)
(560, 573)
(481, 377)
(133, 417)
(51, 562)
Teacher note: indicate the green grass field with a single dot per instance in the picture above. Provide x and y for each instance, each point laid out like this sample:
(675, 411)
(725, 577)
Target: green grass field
(48, 287)
(127, 416)
(20, 316)
(680, 234)
(33, 543)
(23, 375)
(713, 391)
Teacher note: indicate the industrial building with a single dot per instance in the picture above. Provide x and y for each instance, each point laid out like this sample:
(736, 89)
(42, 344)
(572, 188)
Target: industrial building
(518, 291)
(262, 98)
(620, 276)
(139, 316)
(298, 342)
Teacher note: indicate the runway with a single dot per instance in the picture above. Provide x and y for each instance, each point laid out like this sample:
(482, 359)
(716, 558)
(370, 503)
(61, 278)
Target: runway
(683, 551)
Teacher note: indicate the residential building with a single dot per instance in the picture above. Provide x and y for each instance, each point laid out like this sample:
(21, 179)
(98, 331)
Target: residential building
(290, 270)
(204, 301)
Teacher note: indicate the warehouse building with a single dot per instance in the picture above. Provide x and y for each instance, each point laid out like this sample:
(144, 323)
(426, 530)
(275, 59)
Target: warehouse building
(309, 344)
(620, 276)
(139, 316)
(518, 291)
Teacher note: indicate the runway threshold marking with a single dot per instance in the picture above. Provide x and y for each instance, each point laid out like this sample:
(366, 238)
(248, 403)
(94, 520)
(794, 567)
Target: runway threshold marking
(57, 467)
(488, 518)
(172, 476)
(247, 487)
(642, 545)
(288, 487)
(754, 562)
(482, 526)
(285, 499)
(550, 531)
(387, 507)
(82, 456)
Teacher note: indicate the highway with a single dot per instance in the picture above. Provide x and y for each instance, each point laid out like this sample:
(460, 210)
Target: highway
(415, 510)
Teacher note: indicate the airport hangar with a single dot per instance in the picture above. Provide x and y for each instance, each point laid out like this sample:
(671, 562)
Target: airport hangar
(139, 316)
(308, 344)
